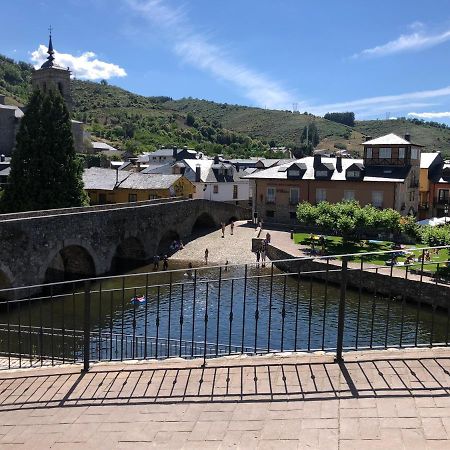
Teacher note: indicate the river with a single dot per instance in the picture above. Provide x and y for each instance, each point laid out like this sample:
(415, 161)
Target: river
(302, 316)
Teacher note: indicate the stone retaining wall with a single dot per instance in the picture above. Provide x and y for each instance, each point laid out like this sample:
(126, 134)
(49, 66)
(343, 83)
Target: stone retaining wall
(381, 283)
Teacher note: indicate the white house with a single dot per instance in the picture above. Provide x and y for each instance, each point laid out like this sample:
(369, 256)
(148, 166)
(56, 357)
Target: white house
(215, 180)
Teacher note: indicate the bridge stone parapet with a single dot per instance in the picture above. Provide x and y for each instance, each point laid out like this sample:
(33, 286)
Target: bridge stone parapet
(84, 242)
(78, 209)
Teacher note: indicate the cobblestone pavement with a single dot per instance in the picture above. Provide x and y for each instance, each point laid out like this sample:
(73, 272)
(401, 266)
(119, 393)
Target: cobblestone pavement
(375, 400)
(236, 248)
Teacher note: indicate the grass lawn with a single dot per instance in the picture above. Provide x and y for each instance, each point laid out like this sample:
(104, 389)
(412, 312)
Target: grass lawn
(335, 246)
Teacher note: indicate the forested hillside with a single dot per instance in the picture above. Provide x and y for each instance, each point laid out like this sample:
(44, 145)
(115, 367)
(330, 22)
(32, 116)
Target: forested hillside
(137, 123)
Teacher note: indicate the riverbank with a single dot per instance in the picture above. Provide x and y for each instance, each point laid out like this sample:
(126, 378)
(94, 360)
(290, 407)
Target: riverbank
(235, 248)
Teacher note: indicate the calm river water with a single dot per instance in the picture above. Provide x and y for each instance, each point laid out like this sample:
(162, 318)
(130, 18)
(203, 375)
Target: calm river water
(302, 316)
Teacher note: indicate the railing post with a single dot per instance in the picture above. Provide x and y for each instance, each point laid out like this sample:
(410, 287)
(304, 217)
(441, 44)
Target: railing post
(341, 314)
(87, 325)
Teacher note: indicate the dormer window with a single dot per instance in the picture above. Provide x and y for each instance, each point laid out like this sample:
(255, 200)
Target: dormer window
(293, 173)
(369, 152)
(385, 153)
(414, 153)
(321, 173)
(353, 173)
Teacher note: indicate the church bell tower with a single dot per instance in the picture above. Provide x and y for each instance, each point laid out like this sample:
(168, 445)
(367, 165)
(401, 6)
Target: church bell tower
(52, 76)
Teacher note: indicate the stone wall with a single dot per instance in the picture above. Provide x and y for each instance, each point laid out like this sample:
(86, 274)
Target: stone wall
(8, 125)
(382, 284)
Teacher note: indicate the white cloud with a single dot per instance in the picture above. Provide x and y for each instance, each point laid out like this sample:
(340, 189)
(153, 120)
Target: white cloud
(431, 115)
(196, 49)
(399, 102)
(85, 66)
(418, 40)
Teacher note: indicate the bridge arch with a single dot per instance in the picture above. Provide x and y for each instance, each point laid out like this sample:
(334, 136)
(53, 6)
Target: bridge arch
(129, 254)
(70, 262)
(204, 222)
(166, 241)
(5, 282)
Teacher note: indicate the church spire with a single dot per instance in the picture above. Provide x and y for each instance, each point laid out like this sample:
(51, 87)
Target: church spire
(50, 51)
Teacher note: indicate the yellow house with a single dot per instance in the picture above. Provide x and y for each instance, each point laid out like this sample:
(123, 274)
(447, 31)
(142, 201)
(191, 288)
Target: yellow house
(116, 186)
(429, 163)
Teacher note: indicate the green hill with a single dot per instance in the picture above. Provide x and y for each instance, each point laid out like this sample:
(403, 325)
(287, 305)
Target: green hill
(136, 123)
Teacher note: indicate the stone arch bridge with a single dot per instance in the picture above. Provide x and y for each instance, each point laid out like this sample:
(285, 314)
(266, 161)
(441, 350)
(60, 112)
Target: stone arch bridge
(56, 245)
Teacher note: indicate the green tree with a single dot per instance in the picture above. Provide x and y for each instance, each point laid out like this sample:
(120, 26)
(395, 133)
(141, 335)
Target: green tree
(45, 172)
(190, 120)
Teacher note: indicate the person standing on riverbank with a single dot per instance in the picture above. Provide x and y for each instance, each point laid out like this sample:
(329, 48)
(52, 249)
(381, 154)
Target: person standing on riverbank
(165, 263)
(263, 253)
(156, 262)
(206, 256)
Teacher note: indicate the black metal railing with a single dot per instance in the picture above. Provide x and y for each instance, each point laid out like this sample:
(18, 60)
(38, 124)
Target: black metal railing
(329, 303)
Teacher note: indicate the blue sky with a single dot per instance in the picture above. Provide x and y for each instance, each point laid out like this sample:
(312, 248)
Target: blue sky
(379, 58)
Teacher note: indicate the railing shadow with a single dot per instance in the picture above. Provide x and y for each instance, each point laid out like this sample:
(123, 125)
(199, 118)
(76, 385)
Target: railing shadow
(229, 382)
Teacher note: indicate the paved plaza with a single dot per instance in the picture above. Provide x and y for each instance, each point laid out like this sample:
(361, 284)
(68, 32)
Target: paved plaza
(375, 400)
(236, 247)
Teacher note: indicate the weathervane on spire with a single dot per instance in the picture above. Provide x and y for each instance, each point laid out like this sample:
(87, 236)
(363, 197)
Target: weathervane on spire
(50, 51)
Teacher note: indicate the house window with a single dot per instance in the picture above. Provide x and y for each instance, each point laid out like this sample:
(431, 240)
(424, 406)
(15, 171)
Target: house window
(321, 195)
(321, 173)
(353, 173)
(216, 189)
(411, 196)
(235, 191)
(369, 152)
(443, 196)
(385, 153)
(271, 194)
(414, 153)
(293, 173)
(270, 213)
(349, 195)
(152, 196)
(401, 153)
(294, 196)
(377, 199)
(132, 197)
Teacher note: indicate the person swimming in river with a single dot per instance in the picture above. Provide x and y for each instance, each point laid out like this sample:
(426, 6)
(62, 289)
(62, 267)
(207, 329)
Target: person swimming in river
(188, 272)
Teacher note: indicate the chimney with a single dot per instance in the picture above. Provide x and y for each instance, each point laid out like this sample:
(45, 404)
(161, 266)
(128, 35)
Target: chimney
(339, 163)
(367, 138)
(216, 159)
(197, 173)
(2, 158)
(317, 160)
(175, 153)
(408, 137)
(2, 99)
